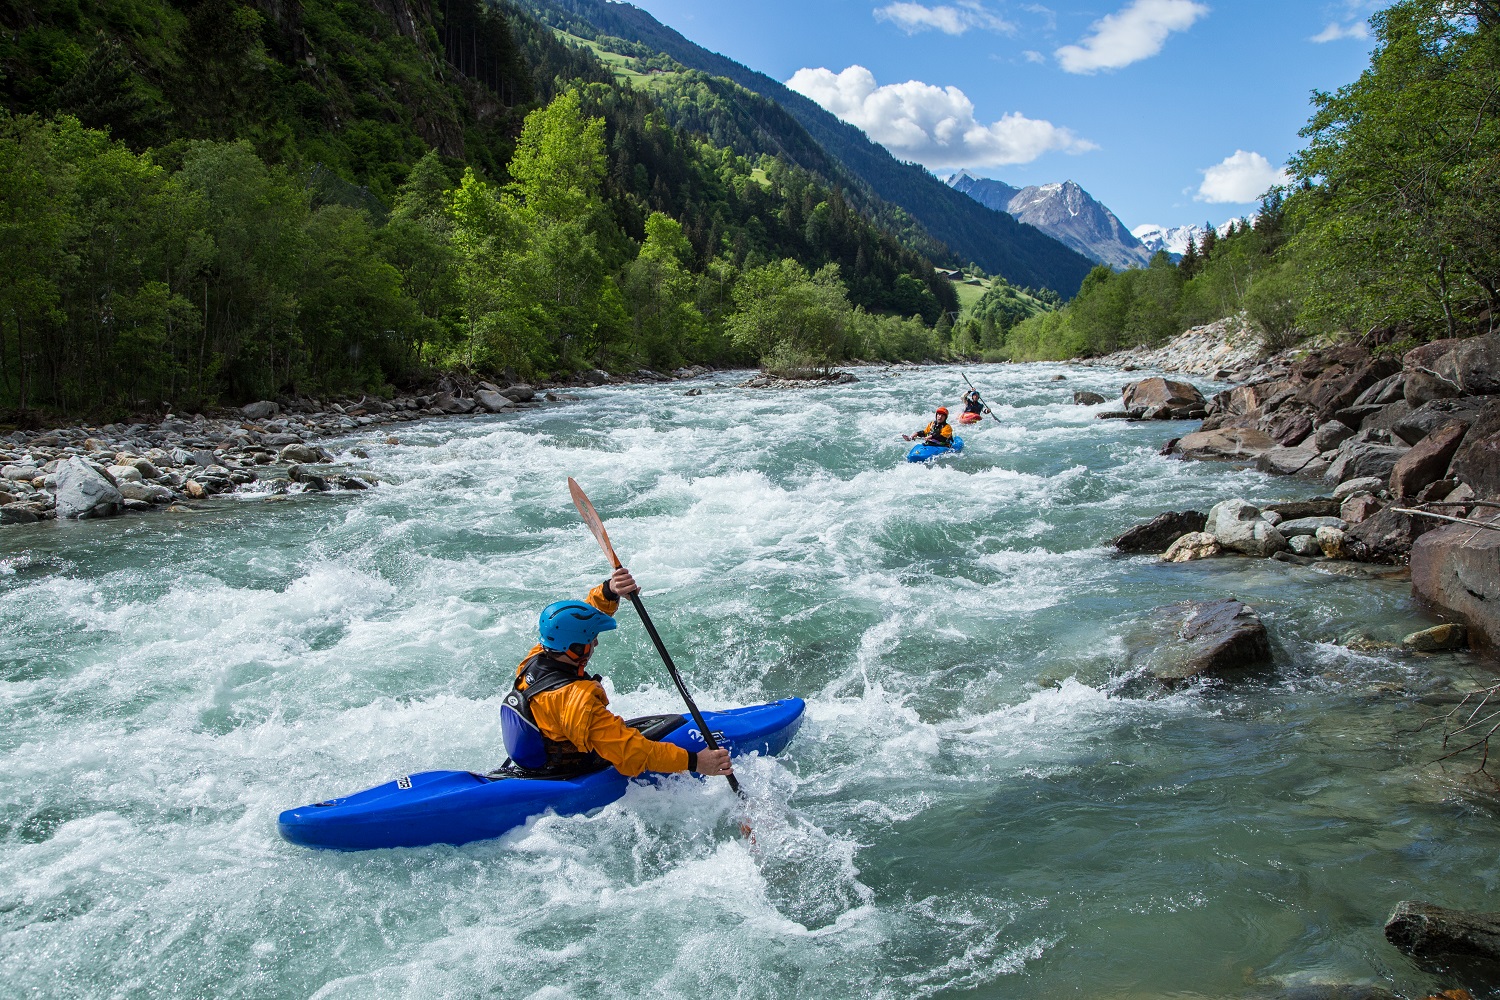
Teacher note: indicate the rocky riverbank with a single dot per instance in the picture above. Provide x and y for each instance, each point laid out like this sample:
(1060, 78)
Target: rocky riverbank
(1405, 450)
(269, 447)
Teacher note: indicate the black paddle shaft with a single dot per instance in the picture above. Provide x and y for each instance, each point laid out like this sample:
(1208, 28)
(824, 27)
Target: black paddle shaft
(661, 648)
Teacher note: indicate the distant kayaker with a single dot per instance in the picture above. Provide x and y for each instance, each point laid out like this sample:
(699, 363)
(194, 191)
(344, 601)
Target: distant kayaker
(973, 407)
(938, 433)
(556, 715)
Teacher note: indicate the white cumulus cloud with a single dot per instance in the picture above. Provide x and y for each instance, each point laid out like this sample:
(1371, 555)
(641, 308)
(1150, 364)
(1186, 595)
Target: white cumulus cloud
(1239, 179)
(947, 18)
(1136, 32)
(934, 126)
(1335, 31)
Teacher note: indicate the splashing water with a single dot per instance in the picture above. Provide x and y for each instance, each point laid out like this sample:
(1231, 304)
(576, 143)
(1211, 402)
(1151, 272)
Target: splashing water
(972, 806)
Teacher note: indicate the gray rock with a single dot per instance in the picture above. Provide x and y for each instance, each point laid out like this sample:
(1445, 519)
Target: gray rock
(1430, 416)
(1330, 434)
(1360, 459)
(493, 401)
(1231, 443)
(1192, 638)
(146, 469)
(83, 492)
(18, 513)
(146, 492)
(1305, 545)
(263, 410)
(274, 441)
(20, 473)
(1239, 527)
(1301, 460)
(1309, 526)
(1292, 510)
(1084, 398)
(1386, 390)
(521, 393)
(1158, 534)
(123, 474)
(1363, 484)
(1427, 930)
(299, 454)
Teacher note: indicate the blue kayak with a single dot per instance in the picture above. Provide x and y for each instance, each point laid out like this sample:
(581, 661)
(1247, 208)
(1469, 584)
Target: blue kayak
(455, 807)
(922, 452)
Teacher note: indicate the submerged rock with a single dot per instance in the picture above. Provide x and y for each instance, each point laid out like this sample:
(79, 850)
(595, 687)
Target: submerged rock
(1437, 639)
(1192, 638)
(1084, 398)
(1157, 534)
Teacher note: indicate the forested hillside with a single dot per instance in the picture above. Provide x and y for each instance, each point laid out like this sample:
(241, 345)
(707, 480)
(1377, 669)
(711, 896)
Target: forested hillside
(219, 201)
(1390, 233)
(1020, 253)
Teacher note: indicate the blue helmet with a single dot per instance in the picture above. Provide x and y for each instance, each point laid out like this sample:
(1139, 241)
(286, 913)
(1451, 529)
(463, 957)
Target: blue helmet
(564, 623)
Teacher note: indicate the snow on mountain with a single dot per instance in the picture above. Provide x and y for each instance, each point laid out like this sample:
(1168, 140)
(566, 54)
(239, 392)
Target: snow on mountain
(1175, 240)
(1063, 211)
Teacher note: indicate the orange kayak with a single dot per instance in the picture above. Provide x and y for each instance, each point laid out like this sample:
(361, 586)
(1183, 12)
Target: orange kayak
(968, 418)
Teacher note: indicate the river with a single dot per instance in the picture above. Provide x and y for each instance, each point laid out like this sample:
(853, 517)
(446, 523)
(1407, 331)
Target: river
(976, 805)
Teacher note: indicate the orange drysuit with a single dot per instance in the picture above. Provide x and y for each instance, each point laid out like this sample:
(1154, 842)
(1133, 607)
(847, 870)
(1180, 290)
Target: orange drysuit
(578, 713)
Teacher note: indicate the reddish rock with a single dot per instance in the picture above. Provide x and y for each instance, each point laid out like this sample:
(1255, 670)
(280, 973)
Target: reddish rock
(1388, 536)
(1152, 393)
(1230, 443)
(1477, 461)
(1427, 460)
(1341, 384)
(1360, 507)
(1468, 366)
(1288, 427)
(1455, 571)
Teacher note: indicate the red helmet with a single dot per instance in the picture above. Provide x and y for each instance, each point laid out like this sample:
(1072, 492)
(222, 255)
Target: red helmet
(942, 410)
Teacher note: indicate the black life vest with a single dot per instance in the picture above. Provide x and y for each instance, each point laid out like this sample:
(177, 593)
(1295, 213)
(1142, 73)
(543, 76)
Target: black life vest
(524, 740)
(973, 404)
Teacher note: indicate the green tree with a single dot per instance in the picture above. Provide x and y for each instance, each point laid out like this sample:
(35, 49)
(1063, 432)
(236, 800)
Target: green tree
(789, 318)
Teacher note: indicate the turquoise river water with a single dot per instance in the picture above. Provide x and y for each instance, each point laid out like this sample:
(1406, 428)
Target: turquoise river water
(979, 804)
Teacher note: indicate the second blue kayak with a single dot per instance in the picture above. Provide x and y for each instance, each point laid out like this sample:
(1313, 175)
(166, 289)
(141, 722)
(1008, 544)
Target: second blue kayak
(923, 452)
(456, 807)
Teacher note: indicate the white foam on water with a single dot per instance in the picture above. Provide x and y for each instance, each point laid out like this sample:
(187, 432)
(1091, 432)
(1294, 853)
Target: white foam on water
(954, 629)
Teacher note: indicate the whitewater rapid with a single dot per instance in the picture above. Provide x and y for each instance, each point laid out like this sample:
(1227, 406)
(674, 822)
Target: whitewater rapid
(974, 804)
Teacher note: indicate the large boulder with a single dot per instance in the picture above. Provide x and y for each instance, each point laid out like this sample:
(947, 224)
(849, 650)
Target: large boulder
(1455, 571)
(1330, 434)
(1387, 536)
(300, 454)
(1428, 417)
(1308, 526)
(1191, 638)
(1427, 461)
(1239, 527)
(263, 410)
(493, 401)
(1157, 534)
(519, 393)
(1426, 930)
(83, 492)
(1288, 426)
(1302, 460)
(1157, 391)
(1242, 444)
(1477, 461)
(1468, 366)
(1363, 459)
(1341, 382)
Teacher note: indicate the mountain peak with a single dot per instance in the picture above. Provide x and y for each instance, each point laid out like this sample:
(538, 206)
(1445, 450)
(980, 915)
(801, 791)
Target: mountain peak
(1064, 211)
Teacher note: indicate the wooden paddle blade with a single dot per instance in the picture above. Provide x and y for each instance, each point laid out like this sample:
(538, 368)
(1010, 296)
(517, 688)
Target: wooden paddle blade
(591, 518)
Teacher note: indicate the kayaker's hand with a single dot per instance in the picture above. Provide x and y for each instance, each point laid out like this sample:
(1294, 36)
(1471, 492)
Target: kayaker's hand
(906, 437)
(714, 762)
(622, 583)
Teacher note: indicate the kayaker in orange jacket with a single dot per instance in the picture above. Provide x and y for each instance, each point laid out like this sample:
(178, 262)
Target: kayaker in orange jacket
(938, 433)
(569, 708)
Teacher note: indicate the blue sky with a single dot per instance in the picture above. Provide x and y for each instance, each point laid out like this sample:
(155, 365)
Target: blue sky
(1168, 111)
